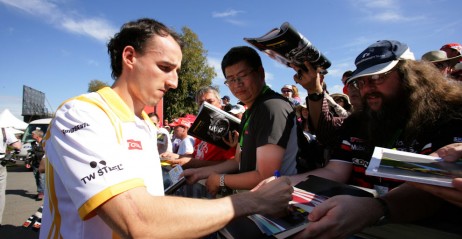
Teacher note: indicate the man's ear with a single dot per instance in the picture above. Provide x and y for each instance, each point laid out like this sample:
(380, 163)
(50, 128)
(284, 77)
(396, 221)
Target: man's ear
(128, 56)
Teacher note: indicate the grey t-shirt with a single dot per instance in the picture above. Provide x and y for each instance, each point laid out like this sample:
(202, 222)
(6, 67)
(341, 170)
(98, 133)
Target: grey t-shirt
(270, 120)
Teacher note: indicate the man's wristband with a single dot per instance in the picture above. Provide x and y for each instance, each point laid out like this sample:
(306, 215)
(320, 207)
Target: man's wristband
(315, 96)
(222, 180)
(386, 212)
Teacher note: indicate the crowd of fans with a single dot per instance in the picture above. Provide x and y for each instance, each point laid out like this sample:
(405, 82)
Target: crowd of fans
(390, 100)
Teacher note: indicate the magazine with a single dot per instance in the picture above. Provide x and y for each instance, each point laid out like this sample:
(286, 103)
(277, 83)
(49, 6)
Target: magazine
(212, 124)
(286, 45)
(388, 163)
(177, 181)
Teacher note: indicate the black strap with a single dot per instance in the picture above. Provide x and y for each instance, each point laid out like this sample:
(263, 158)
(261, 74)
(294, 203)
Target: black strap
(4, 135)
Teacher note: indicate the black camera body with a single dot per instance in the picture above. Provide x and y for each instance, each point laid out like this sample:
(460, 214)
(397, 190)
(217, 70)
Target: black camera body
(308, 52)
(8, 159)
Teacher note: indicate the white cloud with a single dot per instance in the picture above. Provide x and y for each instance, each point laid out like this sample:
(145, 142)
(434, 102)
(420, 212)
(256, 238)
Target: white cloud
(96, 28)
(230, 16)
(236, 22)
(384, 10)
(34, 7)
(378, 3)
(228, 13)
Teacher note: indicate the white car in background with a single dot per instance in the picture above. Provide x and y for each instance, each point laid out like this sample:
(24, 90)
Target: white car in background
(27, 139)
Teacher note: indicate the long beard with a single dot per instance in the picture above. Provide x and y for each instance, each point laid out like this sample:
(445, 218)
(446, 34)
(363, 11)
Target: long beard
(385, 125)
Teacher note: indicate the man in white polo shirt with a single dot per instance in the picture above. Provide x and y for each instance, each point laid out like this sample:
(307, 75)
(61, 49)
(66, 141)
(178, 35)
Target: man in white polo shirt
(103, 177)
(7, 138)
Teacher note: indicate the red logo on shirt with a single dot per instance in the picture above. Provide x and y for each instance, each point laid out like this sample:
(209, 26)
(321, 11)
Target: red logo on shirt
(133, 144)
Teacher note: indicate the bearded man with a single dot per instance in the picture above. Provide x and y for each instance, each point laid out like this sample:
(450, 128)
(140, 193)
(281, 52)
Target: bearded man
(408, 106)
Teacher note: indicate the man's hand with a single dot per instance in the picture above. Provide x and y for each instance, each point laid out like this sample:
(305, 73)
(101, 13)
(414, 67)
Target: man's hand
(193, 175)
(341, 216)
(232, 140)
(273, 195)
(449, 153)
(311, 80)
(168, 156)
(181, 161)
(213, 184)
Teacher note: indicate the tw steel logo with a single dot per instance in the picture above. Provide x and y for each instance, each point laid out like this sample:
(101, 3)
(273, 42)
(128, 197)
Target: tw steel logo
(102, 169)
(134, 145)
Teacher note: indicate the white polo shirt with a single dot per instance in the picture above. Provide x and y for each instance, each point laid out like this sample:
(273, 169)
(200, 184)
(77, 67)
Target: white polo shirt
(96, 149)
(6, 140)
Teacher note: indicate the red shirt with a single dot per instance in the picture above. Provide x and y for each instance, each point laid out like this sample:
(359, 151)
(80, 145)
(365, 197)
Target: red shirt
(206, 151)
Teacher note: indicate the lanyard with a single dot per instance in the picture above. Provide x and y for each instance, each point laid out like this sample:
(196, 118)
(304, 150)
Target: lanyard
(392, 142)
(247, 116)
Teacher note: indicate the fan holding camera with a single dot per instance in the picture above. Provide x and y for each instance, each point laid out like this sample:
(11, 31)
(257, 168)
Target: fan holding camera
(36, 155)
(7, 139)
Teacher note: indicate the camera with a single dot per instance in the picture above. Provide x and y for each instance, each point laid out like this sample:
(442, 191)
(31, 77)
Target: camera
(7, 160)
(308, 52)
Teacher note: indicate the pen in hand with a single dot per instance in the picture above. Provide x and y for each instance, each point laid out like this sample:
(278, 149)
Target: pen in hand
(277, 174)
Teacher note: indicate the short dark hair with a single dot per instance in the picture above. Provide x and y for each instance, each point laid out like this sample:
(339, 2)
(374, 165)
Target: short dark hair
(241, 53)
(135, 34)
(153, 114)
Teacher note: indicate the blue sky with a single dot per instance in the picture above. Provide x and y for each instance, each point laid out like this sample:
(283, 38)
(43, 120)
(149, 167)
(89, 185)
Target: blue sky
(58, 46)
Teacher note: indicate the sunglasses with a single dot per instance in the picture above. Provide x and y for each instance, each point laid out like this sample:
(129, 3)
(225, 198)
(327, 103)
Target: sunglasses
(286, 91)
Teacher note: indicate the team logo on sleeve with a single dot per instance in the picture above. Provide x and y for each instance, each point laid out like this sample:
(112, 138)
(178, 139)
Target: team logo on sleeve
(75, 128)
(103, 169)
(134, 145)
(93, 164)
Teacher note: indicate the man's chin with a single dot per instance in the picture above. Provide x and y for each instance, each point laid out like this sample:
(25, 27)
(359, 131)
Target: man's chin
(374, 106)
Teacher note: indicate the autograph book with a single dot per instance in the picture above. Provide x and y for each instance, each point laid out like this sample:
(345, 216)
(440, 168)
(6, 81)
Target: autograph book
(306, 196)
(388, 163)
(212, 124)
(286, 45)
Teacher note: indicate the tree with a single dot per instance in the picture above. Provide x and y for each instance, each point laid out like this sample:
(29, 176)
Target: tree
(194, 74)
(95, 85)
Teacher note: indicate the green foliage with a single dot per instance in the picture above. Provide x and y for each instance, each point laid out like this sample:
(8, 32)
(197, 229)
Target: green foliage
(95, 85)
(194, 74)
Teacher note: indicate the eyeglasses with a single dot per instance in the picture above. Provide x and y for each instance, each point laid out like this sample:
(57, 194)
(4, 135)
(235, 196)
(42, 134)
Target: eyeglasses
(286, 91)
(237, 79)
(373, 80)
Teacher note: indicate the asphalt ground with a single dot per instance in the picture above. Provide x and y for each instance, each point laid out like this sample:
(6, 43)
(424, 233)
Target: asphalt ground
(20, 203)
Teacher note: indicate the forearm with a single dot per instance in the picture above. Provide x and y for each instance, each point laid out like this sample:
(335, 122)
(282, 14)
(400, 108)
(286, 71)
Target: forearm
(227, 166)
(334, 170)
(244, 181)
(326, 125)
(141, 215)
(197, 163)
(408, 204)
(315, 109)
